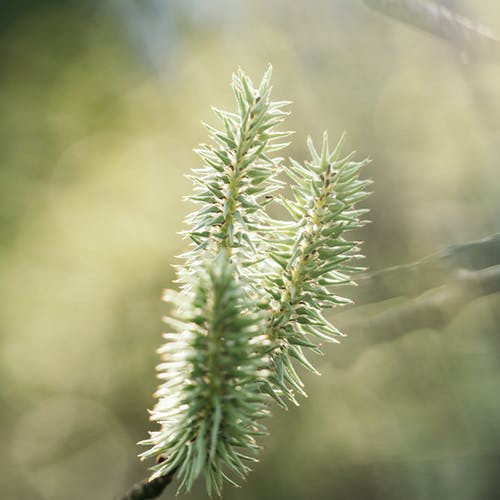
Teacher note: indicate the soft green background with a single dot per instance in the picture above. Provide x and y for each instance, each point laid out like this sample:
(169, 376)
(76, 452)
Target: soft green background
(100, 108)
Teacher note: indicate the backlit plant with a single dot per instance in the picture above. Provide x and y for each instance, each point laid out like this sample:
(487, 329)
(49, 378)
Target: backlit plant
(253, 289)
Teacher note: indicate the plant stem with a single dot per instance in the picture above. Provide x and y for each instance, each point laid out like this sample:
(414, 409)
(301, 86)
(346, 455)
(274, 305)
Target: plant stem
(146, 489)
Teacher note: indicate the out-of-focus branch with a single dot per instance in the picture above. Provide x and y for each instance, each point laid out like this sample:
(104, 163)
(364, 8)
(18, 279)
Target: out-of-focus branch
(410, 280)
(431, 310)
(476, 40)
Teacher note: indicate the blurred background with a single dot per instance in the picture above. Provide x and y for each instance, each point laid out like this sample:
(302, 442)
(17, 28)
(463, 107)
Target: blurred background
(100, 106)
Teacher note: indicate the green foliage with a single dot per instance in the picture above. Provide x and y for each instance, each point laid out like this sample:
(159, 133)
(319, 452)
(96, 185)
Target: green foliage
(252, 289)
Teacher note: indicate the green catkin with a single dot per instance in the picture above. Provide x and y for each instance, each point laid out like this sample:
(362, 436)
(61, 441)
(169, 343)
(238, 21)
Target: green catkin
(237, 181)
(212, 366)
(311, 261)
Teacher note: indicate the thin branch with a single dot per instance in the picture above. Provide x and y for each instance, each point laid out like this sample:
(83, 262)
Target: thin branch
(431, 310)
(410, 280)
(476, 40)
(146, 489)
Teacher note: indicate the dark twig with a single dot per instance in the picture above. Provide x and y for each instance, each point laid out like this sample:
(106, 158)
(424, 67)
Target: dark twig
(148, 489)
(410, 280)
(475, 40)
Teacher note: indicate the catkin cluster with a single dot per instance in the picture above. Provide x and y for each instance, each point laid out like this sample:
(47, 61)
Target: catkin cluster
(253, 289)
